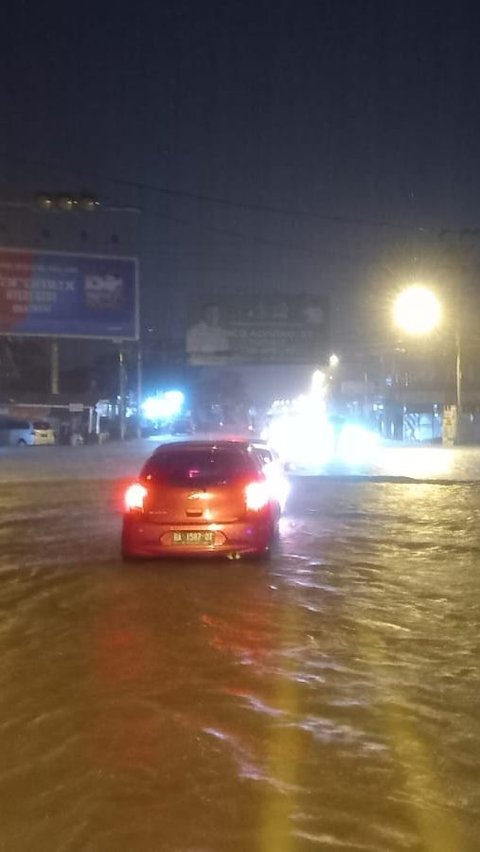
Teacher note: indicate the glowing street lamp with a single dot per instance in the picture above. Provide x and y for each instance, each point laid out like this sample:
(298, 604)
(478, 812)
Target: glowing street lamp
(333, 361)
(417, 310)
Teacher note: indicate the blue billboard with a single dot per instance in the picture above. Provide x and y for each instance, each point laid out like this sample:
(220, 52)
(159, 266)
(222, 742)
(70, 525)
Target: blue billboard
(68, 295)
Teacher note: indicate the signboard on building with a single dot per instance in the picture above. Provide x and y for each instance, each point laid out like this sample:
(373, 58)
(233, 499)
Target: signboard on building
(257, 329)
(68, 295)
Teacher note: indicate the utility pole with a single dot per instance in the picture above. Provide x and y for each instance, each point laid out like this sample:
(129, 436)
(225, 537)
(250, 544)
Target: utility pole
(54, 368)
(139, 388)
(458, 363)
(121, 391)
(458, 370)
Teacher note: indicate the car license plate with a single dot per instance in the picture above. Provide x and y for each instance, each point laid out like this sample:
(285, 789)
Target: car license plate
(193, 537)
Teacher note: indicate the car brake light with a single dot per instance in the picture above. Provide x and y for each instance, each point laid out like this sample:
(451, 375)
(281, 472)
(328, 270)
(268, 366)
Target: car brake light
(257, 495)
(134, 497)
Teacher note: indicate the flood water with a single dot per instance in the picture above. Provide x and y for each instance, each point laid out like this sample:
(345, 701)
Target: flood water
(328, 700)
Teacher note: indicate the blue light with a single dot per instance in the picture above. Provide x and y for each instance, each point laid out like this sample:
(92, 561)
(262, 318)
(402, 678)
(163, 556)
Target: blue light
(163, 406)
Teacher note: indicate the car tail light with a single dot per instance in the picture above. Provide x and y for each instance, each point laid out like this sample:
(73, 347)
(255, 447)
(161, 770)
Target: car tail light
(257, 496)
(134, 497)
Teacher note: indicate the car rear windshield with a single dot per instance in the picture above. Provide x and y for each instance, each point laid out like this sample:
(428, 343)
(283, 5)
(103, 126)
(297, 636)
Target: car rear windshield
(200, 467)
(41, 424)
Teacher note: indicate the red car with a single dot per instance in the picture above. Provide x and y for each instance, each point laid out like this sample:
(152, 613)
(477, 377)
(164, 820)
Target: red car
(197, 497)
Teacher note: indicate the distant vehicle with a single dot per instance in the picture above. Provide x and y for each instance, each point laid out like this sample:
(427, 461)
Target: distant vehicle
(17, 433)
(265, 453)
(200, 498)
(273, 469)
(43, 432)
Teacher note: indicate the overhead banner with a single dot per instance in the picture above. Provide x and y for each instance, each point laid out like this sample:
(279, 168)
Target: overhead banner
(68, 295)
(254, 329)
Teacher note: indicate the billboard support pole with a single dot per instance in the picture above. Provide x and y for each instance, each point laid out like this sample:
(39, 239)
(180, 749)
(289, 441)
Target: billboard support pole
(139, 388)
(121, 390)
(54, 368)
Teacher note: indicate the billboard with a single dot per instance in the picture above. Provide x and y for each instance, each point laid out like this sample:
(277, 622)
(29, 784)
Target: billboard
(254, 329)
(68, 295)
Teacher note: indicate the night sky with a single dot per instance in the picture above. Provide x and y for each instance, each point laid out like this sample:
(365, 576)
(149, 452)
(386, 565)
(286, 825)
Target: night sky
(287, 113)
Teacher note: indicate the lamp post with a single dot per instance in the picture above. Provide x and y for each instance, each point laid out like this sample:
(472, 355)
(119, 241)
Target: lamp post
(418, 312)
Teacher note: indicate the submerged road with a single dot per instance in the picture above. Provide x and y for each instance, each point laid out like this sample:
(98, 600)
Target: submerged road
(327, 700)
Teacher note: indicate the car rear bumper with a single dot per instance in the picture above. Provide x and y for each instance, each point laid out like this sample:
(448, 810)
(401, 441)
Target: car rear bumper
(141, 538)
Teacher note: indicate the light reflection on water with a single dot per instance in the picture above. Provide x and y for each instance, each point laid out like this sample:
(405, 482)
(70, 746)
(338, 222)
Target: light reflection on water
(416, 462)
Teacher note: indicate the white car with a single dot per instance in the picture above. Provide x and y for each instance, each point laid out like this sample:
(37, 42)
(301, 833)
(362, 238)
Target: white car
(15, 432)
(273, 470)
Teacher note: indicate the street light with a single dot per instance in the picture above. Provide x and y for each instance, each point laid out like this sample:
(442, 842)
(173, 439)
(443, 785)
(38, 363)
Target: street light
(334, 361)
(417, 311)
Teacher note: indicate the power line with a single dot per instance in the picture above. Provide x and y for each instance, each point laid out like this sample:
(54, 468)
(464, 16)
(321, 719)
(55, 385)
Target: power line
(219, 201)
(242, 205)
(229, 232)
(239, 235)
